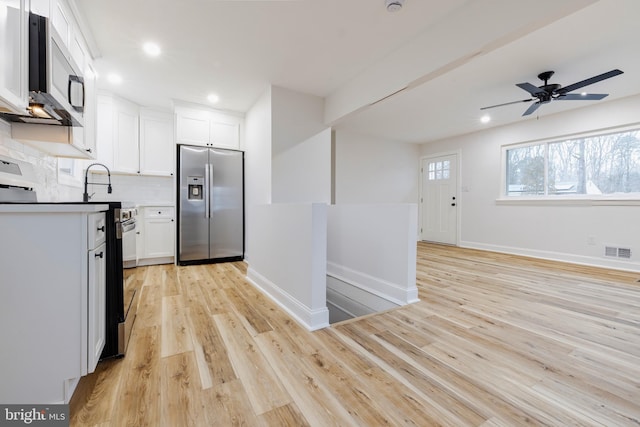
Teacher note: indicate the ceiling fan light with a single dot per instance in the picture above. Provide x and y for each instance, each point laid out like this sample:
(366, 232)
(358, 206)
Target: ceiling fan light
(394, 5)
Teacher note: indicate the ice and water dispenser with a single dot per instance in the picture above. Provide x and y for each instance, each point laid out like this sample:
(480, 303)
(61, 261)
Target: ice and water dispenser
(195, 187)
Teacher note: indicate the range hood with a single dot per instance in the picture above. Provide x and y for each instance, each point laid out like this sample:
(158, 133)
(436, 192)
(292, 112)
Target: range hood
(56, 86)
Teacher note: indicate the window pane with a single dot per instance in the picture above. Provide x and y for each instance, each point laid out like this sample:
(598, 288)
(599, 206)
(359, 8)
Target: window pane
(613, 163)
(525, 171)
(595, 165)
(605, 164)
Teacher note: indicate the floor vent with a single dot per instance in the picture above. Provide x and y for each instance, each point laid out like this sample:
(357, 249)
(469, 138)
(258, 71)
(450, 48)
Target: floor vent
(612, 251)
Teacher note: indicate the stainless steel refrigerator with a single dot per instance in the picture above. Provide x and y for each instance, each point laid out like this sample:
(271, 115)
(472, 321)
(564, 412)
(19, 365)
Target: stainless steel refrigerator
(210, 205)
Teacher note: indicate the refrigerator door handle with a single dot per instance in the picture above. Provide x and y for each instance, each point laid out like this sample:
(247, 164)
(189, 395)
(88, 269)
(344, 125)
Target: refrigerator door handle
(207, 184)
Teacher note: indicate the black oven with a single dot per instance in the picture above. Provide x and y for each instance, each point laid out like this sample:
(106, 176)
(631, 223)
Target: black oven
(115, 300)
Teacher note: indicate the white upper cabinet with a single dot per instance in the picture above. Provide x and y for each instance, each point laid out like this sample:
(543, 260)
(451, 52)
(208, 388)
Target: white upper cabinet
(156, 143)
(192, 128)
(209, 128)
(90, 108)
(125, 137)
(14, 50)
(61, 21)
(134, 140)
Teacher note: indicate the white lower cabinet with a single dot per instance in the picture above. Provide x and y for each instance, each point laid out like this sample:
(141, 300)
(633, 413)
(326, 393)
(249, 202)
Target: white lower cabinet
(97, 287)
(157, 234)
(52, 299)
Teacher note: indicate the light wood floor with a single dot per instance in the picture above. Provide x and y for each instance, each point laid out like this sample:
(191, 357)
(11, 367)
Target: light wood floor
(496, 340)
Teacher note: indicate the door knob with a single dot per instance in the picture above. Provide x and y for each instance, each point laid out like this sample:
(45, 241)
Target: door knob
(453, 204)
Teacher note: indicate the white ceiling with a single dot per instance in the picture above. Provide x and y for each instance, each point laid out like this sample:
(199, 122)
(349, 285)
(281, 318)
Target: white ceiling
(453, 56)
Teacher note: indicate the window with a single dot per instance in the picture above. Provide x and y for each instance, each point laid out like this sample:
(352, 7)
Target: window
(439, 170)
(69, 172)
(591, 165)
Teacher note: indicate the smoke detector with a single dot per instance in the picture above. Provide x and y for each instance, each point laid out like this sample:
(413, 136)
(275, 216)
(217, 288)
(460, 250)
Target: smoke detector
(394, 5)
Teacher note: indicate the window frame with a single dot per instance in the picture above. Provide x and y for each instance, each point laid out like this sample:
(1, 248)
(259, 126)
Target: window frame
(630, 199)
(74, 179)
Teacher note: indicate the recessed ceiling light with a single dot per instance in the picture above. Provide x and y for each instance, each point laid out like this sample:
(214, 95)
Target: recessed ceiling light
(584, 94)
(114, 78)
(213, 98)
(151, 49)
(485, 119)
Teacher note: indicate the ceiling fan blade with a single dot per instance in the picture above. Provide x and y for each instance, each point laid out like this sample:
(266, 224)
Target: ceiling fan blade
(592, 80)
(507, 103)
(579, 97)
(532, 108)
(533, 90)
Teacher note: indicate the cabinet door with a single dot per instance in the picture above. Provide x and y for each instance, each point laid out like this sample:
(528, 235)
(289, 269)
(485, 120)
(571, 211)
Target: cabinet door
(225, 134)
(104, 130)
(90, 110)
(61, 21)
(192, 129)
(158, 237)
(14, 48)
(156, 144)
(125, 133)
(97, 305)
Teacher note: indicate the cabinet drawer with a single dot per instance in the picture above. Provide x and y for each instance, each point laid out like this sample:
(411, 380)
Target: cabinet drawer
(158, 212)
(97, 226)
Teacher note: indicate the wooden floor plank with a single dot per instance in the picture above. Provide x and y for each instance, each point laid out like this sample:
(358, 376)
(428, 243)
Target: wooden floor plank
(176, 335)
(263, 387)
(495, 340)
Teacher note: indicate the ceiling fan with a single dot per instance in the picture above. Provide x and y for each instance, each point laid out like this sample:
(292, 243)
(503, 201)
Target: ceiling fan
(555, 92)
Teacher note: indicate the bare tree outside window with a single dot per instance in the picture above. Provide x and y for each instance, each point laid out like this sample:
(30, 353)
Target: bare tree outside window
(595, 165)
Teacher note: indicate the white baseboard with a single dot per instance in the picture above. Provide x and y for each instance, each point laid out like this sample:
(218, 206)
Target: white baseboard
(399, 294)
(307, 317)
(555, 256)
(155, 261)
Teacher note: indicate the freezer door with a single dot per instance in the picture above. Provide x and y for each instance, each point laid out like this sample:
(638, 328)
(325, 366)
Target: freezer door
(193, 220)
(227, 204)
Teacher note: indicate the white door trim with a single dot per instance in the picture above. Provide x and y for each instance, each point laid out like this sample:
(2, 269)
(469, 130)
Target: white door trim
(458, 154)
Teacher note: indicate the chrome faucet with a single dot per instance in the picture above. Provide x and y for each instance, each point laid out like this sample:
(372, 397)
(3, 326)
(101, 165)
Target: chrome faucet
(85, 195)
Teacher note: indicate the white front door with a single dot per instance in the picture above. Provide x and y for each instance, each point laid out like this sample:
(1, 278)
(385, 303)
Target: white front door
(439, 199)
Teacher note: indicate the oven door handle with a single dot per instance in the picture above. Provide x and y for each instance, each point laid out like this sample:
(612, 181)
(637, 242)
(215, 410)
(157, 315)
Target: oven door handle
(127, 227)
(118, 230)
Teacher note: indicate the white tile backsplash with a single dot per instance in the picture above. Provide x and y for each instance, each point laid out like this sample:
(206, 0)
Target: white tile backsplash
(126, 188)
(46, 168)
(134, 189)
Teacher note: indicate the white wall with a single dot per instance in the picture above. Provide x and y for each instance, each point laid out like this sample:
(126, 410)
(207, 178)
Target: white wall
(46, 168)
(372, 247)
(295, 117)
(257, 169)
(302, 173)
(558, 232)
(370, 170)
(289, 259)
